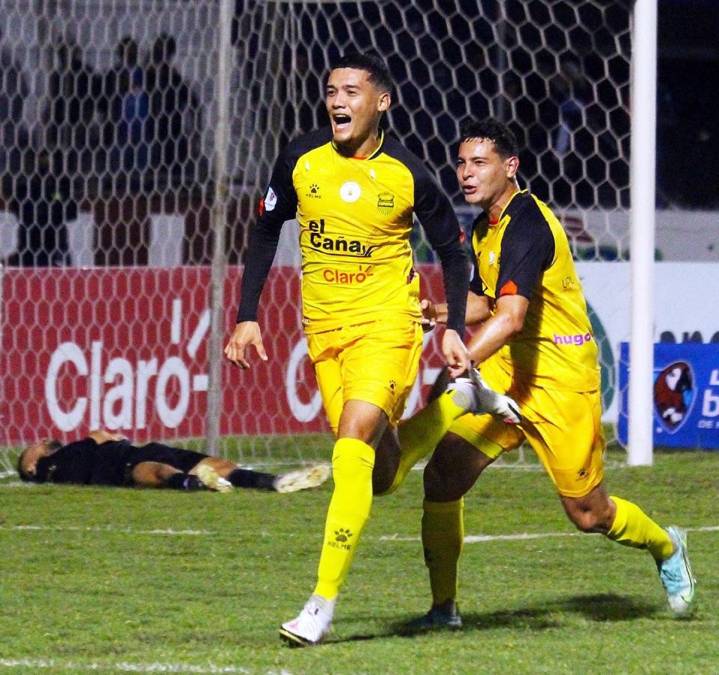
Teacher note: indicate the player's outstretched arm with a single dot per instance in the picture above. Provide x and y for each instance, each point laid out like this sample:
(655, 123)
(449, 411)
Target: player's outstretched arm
(246, 333)
(477, 311)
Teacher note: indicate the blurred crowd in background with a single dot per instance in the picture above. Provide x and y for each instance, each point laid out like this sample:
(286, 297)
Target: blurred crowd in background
(128, 141)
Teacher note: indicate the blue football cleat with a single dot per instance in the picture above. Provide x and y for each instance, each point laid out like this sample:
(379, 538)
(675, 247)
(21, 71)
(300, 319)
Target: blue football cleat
(676, 575)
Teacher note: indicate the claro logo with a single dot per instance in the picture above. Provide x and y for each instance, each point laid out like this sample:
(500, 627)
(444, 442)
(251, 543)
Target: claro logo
(164, 386)
(344, 278)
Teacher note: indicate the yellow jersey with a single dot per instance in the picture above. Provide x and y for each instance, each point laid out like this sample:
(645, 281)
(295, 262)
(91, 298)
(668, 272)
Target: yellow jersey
(526, 252)
(355, 218)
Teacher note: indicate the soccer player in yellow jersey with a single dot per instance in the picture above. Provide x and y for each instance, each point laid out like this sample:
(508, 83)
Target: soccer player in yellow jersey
(535, 343)
(354, 191)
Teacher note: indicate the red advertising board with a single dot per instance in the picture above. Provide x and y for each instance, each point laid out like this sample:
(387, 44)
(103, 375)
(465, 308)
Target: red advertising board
(126, 348)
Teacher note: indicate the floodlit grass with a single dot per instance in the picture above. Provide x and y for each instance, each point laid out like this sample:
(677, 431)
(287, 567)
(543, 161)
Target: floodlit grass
(97, 578)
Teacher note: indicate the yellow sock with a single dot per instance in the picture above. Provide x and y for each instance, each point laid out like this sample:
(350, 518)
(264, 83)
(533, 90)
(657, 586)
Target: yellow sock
(420, 434)
(352, 462)
(442, 539)
(633, 527)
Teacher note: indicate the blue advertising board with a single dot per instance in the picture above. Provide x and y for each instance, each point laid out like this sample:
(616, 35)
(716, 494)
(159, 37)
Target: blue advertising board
(686, 395)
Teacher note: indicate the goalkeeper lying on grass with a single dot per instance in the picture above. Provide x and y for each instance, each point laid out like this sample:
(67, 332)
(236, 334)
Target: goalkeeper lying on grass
(106, 458)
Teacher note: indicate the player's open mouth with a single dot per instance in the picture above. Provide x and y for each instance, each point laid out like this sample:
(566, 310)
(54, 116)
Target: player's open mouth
(469, 189)
(342, 121)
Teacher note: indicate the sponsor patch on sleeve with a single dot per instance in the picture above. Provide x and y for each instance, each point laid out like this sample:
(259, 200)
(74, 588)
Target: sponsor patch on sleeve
(509, 288)
(270, 199)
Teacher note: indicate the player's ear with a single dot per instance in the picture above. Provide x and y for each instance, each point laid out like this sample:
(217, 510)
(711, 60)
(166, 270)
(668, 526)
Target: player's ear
(511, 166)
(384, 101)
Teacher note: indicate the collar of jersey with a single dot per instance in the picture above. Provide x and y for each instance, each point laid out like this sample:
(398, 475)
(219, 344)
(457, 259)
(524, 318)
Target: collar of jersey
(506, 207)
(375, 152)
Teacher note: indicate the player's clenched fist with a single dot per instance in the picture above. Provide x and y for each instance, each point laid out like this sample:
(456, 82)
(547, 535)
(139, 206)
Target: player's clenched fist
(455, 353)
(246, 333)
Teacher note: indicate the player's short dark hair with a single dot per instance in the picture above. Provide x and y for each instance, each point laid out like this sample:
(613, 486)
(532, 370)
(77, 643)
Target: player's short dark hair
(371, 63)
(492, 129)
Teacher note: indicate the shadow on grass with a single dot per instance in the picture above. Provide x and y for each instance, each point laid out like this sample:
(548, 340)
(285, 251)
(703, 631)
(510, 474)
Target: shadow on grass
(594, 607)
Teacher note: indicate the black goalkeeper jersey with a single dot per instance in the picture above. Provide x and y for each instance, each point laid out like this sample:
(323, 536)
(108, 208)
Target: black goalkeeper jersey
(86, 462)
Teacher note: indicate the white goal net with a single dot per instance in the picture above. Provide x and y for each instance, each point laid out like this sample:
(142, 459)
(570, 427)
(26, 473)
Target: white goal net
(110, 112)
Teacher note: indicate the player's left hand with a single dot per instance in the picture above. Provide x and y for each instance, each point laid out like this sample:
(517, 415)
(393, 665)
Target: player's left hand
(429, 315)
(455, 353)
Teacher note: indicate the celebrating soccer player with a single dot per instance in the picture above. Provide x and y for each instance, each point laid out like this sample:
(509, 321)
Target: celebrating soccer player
(535, 342)
(354, 190)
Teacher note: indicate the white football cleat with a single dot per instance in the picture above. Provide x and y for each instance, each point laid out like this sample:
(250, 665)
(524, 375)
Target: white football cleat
(212, 480)
(302, 479)
(472, 392)
(312, 625)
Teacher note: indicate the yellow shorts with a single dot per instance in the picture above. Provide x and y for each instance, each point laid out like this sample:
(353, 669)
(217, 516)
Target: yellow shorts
(563, 427)
(376, 362)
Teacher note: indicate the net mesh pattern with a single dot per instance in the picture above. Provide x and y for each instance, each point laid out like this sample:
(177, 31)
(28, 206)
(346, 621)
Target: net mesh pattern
(109, 112)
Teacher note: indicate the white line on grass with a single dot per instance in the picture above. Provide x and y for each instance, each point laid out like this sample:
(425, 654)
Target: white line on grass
(522, 536)
(469, 539)
(109, 530)
(122, 666)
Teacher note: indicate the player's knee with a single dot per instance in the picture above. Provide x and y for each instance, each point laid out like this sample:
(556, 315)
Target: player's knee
(583, 521)
(432, 481)
(439, 485)
(592, 513)
(351, 459)
(588, 520)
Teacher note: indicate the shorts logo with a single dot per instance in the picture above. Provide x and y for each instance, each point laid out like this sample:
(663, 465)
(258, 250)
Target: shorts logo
(385, 203)
(674, 394)
(314, 192)
(350, 191)
(578, 340)
(270, 199)
(492, 257)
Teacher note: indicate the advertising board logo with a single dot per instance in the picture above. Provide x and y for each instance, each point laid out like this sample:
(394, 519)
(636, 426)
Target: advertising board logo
(124, 394)
(674, 394)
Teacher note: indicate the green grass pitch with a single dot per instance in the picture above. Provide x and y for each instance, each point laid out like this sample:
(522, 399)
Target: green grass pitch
(110, 580)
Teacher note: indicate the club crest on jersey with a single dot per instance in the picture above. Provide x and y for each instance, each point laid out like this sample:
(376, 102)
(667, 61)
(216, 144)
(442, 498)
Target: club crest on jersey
(674, 394)
(385, 202)
(270, 199)
(350, 191)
